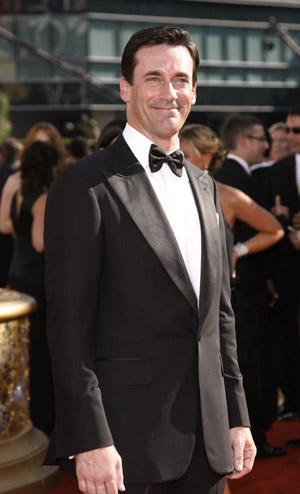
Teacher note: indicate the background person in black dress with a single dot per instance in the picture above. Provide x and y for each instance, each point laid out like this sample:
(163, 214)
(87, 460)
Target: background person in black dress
(26, 273)
(11, 150)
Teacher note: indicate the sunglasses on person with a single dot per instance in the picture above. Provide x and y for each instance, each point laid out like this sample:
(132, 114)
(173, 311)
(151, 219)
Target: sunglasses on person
(295, 130)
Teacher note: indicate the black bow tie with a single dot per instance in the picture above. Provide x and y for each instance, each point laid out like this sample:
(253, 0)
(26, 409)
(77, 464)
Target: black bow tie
(157, 157)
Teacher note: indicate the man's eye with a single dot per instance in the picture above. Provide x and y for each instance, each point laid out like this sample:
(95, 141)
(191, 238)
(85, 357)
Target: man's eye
(181, 80)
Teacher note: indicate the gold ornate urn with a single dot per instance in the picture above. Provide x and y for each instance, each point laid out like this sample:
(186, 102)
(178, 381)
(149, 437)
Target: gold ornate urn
(22, 447)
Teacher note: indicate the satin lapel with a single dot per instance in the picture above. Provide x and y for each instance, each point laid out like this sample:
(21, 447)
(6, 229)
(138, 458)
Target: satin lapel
(211, 252)
(132, 186)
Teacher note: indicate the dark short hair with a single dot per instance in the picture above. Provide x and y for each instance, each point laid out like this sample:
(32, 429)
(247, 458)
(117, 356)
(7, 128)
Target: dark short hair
(11, 149)
(235, 126)
(295, 110)
(79, 147)
(156, 35)
(110, 132)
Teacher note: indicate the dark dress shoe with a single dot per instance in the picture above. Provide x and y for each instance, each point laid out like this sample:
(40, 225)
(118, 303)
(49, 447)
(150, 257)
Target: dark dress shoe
(293, 443)
(286, 412)
(268, 451)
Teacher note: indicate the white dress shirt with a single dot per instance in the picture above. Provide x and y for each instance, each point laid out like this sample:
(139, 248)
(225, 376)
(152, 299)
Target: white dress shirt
(177, 200)
(262, 164)
(297, 160)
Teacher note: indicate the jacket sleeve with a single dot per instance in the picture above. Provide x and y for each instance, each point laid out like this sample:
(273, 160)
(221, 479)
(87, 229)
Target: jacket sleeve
(73, 256)
(235, 395)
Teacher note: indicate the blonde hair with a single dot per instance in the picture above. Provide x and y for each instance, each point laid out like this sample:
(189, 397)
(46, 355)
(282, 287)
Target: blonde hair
(54, 137)
(277, 126)
(205, 141)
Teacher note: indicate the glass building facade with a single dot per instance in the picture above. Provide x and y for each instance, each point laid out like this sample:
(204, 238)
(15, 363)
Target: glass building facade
(244, 65)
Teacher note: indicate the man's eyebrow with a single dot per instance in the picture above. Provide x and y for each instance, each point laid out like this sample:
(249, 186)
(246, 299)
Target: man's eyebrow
(157, 72)
(182, 74)
(152, 72)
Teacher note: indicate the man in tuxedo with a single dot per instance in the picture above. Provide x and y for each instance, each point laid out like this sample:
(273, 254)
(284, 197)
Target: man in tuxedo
(140, 326)
(284, 184)
(245, 139)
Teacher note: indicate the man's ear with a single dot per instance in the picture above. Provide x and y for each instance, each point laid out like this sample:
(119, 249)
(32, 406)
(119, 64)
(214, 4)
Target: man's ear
(125, 90)
(243, 141)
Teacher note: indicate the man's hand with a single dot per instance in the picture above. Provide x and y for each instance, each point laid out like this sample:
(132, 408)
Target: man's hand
(279, 209)
(296, 220)
(294, 236)
(243, 451)
(100, 471)
(272, 292)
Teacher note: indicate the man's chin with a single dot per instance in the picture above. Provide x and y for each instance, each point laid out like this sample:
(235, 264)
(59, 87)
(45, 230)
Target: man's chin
(171, 124)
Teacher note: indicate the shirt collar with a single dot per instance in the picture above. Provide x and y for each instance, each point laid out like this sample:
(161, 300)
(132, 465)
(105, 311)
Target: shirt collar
(140, 144)
(263, 164)
(241, 162)
(297, 161)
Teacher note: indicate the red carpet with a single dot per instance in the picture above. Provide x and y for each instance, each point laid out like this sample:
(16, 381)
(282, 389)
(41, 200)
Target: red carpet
(278, 475)
(269, 476)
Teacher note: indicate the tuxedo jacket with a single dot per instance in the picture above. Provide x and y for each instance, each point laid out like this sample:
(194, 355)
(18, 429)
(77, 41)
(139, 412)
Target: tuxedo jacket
(233, 174)
(282, 181)
(250, 269)
(136, 363)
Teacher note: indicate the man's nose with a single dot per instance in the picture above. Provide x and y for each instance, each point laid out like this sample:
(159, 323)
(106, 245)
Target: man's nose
(168, 92)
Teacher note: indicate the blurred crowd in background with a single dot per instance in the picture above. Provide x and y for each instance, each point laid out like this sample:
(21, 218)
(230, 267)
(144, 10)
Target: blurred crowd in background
(258, 175)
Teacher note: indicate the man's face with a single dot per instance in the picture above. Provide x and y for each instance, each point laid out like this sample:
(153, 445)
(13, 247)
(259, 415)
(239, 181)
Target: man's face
(162, 93)
(280, 145)
(293, 121)
(256, 144)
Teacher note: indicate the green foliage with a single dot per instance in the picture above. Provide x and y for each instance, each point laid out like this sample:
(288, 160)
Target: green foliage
(5, 123)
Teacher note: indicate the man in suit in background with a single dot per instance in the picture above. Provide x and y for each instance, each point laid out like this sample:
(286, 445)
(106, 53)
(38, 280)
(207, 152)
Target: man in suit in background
(284, 184)
(245, 139)
(140, 326)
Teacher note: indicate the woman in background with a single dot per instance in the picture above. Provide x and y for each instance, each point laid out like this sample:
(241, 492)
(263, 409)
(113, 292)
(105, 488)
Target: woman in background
(110, 132)
(46, 132)
(43, 132)
(25, 222)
